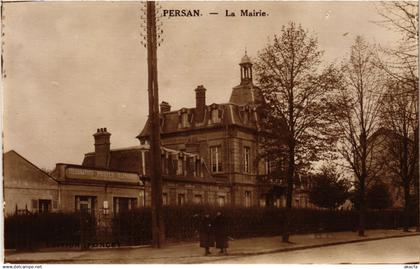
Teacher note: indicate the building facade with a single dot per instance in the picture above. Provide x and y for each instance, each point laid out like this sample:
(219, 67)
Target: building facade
(384, 163)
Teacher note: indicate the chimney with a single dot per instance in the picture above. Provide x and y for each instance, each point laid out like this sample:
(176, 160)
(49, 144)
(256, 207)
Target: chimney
(165, 107)
(200, 103)
(102, 148)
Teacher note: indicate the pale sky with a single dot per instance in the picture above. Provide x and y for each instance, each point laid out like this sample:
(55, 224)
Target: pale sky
(73, 67)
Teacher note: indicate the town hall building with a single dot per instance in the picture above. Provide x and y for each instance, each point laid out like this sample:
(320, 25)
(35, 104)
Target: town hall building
(210, 153)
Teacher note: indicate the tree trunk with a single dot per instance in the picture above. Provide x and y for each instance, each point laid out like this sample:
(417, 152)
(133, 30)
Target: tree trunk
(290, 177)
(362, 181)
(406, 205)
(362, 208)
(406, 182)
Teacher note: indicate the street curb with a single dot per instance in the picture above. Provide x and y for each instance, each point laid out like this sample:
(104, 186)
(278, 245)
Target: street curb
(238, 254)
(310, 246)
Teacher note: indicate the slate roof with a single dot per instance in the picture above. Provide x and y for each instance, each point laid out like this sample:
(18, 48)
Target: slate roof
(123, 159)
(126, 159)
(230, 114)
(246, 94)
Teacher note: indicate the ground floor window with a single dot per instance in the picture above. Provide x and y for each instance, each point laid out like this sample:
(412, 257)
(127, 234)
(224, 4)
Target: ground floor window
(305, 202)
(85, 204)
(164, 199)
(42, 205)
(124, 204)
(247, 199)
(221, 200)
(297, 202)
(198, 199)
(181, 198)
(278, 202)
(105, 208)
(142, 198)
(262, 202)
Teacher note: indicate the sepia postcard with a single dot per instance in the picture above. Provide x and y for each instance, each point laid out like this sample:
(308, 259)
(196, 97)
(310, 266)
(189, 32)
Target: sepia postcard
(232, 132)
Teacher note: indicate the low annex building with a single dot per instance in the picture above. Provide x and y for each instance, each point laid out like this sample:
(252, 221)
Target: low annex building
(27, 187)
(68, 188)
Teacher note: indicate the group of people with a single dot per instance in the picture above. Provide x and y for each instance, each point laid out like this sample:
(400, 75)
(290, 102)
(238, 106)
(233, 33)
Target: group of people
(213, 232)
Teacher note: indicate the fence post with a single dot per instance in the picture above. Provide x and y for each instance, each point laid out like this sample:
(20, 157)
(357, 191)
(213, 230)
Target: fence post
(83, 234)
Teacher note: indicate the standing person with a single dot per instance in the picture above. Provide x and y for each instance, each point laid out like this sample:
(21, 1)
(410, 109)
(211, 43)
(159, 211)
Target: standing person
(206, 234)
(221, 234)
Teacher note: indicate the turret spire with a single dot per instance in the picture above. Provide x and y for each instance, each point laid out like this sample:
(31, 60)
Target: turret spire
(246, 69)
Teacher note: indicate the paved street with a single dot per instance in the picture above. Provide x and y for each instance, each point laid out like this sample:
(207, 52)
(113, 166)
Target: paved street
(394, 250)
(403, 247)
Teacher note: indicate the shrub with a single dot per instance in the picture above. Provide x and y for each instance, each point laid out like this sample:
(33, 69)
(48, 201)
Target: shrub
(328, 190)
(378, 196)
(31, 231)
(132, 227)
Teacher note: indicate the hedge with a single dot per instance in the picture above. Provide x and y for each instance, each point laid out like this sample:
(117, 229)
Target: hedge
(32, 231)
(181, 223)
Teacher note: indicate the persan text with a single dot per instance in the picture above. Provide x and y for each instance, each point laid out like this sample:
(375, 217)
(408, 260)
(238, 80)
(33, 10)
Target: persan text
(181, 13)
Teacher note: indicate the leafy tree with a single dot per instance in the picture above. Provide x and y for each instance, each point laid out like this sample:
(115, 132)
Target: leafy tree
(378, 196)
(293, 87)
(328, 190)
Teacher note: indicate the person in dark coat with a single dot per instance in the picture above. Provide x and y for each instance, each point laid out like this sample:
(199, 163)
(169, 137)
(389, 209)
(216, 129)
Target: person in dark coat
(206, 232)
(221, 233)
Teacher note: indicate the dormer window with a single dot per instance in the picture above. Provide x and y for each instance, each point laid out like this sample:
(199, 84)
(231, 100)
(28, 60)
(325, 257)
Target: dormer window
(184, 121)
(246, 116)
(215, 114)
(244, 112)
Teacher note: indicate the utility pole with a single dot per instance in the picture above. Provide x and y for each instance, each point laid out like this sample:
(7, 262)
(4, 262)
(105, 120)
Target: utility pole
(158, 231)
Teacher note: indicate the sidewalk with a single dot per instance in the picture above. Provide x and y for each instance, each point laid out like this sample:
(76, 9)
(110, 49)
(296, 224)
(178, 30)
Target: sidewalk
(191, 253)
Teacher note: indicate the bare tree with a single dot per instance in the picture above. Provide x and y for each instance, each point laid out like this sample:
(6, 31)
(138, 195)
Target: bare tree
(400, 113)
(400, 61)
(355, 112)
(400, 16)
(293, 112)
(400, 117)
